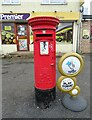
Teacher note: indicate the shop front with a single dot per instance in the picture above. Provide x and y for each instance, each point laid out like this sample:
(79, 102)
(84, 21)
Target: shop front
(14, 32)
(16, 35)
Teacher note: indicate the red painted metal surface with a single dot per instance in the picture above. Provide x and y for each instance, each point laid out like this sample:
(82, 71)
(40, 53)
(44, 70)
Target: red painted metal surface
(44, 34)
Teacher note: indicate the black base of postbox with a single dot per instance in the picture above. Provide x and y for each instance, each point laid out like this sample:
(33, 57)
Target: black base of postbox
(44, 98)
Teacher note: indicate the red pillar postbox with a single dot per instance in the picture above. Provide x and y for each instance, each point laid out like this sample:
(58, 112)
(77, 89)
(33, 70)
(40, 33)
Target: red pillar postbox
(44, 35)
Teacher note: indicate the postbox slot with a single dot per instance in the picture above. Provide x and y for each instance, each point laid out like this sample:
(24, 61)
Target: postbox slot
(43, 35)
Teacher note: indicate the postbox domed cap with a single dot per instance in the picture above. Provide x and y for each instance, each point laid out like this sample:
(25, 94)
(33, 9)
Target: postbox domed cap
(43, 22)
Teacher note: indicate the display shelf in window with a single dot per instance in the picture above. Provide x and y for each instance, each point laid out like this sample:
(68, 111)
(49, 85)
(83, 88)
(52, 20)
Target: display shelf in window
(8, 37)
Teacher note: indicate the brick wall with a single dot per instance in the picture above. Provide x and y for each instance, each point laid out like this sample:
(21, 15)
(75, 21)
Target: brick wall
(85, 44)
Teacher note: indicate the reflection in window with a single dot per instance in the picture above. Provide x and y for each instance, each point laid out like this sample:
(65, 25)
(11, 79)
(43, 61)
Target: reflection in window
(64, 33)
(7, 34)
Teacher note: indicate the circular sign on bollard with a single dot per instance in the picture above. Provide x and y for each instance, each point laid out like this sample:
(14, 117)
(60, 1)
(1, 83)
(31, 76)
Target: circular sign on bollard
(66, 84)
(75, 91)
(70, 64)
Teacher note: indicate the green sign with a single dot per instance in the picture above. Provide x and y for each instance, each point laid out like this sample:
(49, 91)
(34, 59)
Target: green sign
(7, 28)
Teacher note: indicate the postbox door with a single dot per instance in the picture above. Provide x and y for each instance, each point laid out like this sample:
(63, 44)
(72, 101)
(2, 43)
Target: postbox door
(45, 64)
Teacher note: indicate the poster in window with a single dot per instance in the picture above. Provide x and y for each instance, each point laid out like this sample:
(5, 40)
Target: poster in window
(7, 28)
(22, 30)
(23, 44)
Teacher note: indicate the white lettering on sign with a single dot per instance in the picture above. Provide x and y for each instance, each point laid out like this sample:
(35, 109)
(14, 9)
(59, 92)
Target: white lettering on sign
(11, 17)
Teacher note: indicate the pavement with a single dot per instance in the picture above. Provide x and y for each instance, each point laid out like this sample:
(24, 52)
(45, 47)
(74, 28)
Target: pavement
(18, 97)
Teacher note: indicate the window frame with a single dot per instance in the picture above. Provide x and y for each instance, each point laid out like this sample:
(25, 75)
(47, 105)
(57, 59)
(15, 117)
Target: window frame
(56, 3)
(10, 3)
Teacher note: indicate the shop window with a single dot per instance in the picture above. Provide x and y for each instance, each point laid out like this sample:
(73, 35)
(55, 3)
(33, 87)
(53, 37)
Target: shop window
(11, 2)
(7, 33)
(64, 33)
(53, 1)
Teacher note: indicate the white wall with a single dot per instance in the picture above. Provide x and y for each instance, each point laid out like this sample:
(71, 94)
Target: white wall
(87, 7)
(28, 6)
(63, 48)
(0, 48)
(0, 6)
(31, 47)
(9, 48)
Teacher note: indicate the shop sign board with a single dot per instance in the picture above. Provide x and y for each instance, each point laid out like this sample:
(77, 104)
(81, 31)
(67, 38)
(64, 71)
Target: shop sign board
(17, 16)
